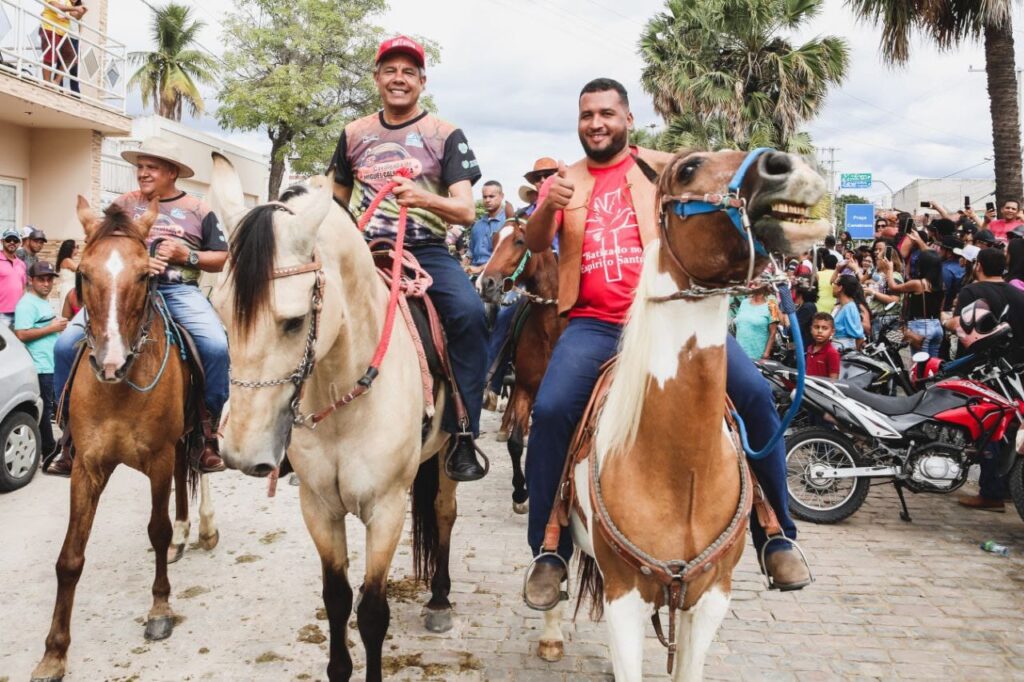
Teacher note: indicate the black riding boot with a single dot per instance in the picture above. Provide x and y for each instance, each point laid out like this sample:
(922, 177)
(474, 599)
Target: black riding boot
(462, 464)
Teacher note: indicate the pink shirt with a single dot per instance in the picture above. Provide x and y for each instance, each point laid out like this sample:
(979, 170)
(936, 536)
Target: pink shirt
(1000, 227)
(13, 278)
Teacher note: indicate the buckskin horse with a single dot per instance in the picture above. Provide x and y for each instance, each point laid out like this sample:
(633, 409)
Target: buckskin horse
(660, 490)
(535, 329)
(302, 282)
(128, 406)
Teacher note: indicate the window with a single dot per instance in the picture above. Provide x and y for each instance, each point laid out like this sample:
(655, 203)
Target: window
(10, 203)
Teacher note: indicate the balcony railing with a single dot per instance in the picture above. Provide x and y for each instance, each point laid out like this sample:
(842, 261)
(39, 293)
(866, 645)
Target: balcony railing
(76, 60)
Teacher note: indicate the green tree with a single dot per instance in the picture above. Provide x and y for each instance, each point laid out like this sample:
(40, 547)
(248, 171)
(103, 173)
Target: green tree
(841, 201)
(949, 24)
(169, 77)
(723, 74)
(300, 70)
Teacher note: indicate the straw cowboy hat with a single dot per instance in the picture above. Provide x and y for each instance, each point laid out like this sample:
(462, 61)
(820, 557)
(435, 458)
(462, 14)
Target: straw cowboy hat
(525, 191)
(159, 148)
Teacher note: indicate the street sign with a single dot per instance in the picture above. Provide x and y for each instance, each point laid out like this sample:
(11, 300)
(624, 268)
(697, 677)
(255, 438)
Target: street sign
(855, 180)
(860, 220)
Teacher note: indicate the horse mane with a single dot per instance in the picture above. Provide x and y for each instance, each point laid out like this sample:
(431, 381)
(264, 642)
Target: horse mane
(252, 261)
(116, 222)
(619, 420)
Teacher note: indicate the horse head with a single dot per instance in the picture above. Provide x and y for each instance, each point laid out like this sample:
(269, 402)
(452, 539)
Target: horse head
(509, 262)
(724, 212)
(115, 277)
(269, 298)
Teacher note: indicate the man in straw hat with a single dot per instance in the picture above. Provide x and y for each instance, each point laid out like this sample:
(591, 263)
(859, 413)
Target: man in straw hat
(193, 242)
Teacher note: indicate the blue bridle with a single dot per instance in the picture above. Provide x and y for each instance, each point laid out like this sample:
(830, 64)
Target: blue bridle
(686, 205)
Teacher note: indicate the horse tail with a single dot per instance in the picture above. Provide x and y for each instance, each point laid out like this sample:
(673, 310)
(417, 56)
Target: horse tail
(425, 531)
(591, 586)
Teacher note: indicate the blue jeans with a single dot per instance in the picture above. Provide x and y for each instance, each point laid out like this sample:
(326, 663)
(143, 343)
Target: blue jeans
(190, 309)
(465, 326)
(499, 333)
(931, 330)
(584, 346)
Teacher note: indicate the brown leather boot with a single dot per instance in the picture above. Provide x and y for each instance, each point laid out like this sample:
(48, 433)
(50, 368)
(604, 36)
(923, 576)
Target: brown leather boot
(788, 570)
(544, 587)
(60, 466)
(983, 503)
(210, 461)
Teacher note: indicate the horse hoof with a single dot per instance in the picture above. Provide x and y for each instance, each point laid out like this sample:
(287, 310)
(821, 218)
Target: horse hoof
(438, 621)
(520, 507)
(551, 651)
(159, 628)
(175, 553)
(210, 542)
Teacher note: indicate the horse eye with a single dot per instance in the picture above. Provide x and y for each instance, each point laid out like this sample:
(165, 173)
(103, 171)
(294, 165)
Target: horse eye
(520, 242)
(293, 324)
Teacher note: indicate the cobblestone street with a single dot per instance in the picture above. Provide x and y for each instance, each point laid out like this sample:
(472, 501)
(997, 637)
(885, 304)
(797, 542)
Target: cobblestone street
(891, 600)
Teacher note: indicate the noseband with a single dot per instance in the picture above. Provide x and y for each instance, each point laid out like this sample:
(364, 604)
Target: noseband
(735, 206)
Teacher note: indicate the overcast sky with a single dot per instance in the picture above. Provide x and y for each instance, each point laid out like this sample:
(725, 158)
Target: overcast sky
(511, 70)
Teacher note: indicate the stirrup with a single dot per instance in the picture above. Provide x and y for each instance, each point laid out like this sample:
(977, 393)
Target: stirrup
(563, 595)
(763, 554)
(480, 453)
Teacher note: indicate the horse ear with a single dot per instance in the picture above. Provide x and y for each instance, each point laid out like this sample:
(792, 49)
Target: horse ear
(86, 216)
(226, 196)
(145, 221)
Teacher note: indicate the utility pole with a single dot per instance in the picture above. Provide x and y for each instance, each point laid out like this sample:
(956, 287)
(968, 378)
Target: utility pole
(833, 193)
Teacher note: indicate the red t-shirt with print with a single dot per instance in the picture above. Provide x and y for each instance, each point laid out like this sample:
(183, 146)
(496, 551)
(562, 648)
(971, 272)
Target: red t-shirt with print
(612, 253)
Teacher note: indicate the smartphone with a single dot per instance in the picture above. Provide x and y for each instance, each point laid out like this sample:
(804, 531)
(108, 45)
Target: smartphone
(990, 206)
(926, 204)
(888, 253)
(967, 202)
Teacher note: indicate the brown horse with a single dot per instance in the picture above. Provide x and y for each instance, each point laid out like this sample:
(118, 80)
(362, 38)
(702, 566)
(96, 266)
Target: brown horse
(662, 496)
(128, 403)
(536, 276)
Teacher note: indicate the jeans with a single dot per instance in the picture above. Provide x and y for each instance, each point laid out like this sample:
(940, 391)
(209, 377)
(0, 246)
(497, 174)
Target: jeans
(465, 326)
(49, 410)
(190, 309)
(499, 334)
(991, 485)
(584, 346)
(931, 330)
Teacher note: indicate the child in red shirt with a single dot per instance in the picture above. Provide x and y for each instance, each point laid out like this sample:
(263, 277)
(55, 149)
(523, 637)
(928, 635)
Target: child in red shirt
(822, 356)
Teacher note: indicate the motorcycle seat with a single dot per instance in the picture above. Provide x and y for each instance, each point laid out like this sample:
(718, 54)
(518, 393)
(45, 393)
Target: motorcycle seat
(889, 405)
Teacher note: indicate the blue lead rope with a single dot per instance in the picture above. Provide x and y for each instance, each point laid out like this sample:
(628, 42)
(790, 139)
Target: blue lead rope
(789, 309)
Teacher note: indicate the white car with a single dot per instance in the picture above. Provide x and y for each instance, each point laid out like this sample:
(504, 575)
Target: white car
(20, 410)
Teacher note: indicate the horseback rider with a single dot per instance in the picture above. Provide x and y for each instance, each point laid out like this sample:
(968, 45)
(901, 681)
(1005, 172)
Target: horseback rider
(599, 268)
(192, 243)
(440, 191)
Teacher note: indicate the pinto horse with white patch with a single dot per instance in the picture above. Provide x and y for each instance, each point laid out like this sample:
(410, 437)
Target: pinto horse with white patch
(306, 309)
(535, 276)
(128, 406)
(661, 489)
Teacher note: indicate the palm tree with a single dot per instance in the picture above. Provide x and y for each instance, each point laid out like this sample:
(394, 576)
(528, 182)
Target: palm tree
(722, 74)
(169, 77)
(950, 24)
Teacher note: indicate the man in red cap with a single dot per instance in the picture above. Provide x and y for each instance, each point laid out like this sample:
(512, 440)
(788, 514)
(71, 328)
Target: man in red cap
(439, 192)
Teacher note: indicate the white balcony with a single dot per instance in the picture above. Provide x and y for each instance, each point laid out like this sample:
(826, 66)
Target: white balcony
(84, 82)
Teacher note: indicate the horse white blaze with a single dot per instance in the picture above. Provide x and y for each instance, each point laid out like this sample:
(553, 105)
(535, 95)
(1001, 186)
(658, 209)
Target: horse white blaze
(696, 630)
(627, 619)
(503, 234)
(115, 356)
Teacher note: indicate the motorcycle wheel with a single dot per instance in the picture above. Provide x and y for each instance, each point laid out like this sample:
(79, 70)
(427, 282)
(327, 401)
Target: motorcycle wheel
(1017, 485)
(829, 500)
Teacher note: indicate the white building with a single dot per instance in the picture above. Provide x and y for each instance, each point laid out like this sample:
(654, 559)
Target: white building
(948, 192)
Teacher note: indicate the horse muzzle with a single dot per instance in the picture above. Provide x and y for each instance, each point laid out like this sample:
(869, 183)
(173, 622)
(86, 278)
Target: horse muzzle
(111, 371)
(491, 289)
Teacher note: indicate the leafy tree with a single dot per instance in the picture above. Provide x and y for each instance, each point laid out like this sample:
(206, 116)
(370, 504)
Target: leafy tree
(841, 201)
(723, 75)
(169, 77)
(300, 70)
(950, 24)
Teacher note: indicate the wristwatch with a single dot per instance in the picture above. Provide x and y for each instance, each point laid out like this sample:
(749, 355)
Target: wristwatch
(193, 258)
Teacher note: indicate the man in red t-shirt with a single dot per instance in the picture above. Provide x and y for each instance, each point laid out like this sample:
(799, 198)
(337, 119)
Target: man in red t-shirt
(1008, 220)
(602, 209)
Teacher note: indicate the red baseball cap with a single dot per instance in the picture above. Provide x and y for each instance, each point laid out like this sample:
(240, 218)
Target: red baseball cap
(402, 44)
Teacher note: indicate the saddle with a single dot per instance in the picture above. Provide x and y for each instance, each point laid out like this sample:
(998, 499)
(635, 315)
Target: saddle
(198, 426)
(424, 324)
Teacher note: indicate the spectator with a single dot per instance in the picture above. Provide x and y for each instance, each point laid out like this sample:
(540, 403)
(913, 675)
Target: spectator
(952, 271)
(849, 323)
(805, 297)
(542, 168)
(822, 356)
(32, 245)
(1015, 266)
(77, 11)
(1009, 218)
(830, 245)
(877, 290)
(481, 235)
(67, 266)
(37, 327)
(756, 322)
(58, 52)
(805, 268)
(12, 277)
(923, 302)
(71, 304)
(984, 239)
(827, 268)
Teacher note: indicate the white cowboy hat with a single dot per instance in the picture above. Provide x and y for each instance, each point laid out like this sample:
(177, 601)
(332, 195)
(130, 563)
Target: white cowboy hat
(159, 148)
(524, 191)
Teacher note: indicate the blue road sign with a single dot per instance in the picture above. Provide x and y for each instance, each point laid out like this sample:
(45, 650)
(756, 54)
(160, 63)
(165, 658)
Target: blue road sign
(855, 180)
(860, 220)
